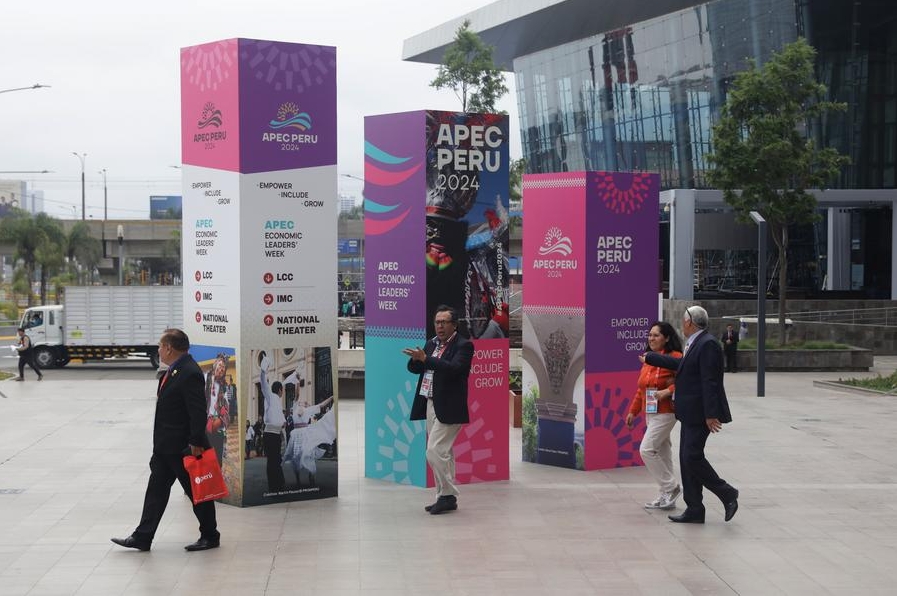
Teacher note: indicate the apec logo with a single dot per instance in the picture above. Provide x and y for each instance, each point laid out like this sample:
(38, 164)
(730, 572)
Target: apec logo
(558, 246)
(211, 118)
(290, 117)
(556, 243)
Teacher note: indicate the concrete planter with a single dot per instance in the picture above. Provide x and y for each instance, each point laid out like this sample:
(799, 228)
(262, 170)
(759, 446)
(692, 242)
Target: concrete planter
(852, 359)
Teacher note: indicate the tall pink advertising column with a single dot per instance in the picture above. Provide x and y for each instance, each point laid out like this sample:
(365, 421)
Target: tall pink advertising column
(258, 121)
(436, 232)
(590, 252)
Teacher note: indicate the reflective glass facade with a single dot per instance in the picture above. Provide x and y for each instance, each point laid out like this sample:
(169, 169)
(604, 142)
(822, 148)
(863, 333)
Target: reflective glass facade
(644, 97)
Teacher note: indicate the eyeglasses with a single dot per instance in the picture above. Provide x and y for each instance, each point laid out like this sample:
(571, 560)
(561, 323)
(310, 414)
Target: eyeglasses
(439, 323)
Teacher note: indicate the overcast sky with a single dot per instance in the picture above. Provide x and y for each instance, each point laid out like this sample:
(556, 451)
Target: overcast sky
(115, 85)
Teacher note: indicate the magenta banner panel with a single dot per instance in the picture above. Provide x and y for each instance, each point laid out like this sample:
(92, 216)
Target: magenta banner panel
(210, 118)
(591, 270)
(436, 232)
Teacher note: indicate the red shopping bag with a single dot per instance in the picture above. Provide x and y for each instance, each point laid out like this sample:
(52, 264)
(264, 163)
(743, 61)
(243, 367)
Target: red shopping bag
(206, 479)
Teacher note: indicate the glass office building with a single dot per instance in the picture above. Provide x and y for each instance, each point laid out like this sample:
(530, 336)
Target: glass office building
(644, 96)
(637, 86)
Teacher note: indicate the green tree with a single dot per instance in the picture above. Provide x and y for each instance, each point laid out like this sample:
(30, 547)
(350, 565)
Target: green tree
(468, 69)
(40, 245)
(356, 212)
(50, 253)
(82, 251)
(763, 158)
(515, 186)
(171, 253)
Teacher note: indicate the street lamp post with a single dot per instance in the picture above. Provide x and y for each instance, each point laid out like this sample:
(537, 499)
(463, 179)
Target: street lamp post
(105, 196)
(34, 86)
(121, 260)
(761, 302)
(81, 157)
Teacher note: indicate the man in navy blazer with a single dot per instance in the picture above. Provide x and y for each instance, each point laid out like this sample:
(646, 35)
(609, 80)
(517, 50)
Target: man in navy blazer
(701, 408)
(179, 429)
(441, 399)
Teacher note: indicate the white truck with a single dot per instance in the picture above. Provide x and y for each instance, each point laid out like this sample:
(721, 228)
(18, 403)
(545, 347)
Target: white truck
(97, 322)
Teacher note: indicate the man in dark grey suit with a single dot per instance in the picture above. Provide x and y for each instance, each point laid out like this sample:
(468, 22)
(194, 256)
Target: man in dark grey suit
(701, 408)
(179, 429)
(441, 399)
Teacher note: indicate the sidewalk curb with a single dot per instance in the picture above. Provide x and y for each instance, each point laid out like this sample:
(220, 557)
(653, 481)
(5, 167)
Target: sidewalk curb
(836, 386)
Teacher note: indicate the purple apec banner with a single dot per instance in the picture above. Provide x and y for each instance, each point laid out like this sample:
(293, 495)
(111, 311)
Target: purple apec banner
(436, 232)
(621, 303)
(395, 183)
(621, 268)
(288, 99)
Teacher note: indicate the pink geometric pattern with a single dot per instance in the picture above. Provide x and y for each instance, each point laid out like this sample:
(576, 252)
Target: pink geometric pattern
(622, 199)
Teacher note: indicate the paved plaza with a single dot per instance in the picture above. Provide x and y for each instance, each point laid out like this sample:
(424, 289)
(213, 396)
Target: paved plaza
(818, 510)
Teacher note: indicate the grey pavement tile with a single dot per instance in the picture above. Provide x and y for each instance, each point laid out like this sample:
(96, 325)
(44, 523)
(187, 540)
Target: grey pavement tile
(814, 467)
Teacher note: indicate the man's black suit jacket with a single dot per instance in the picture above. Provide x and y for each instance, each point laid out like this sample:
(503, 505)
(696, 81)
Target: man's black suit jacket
(699, 381)
(734, 337)
(180, 409)
(450, 372)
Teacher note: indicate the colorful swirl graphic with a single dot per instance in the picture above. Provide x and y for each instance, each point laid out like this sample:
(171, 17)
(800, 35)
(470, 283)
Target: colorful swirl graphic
(384, 169)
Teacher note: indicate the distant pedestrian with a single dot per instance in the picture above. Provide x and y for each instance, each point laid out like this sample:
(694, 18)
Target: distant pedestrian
(250, 439)
(730, 348)
(26, 356)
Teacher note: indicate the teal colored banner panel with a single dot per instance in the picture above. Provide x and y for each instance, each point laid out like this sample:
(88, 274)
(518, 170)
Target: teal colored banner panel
(395, 447)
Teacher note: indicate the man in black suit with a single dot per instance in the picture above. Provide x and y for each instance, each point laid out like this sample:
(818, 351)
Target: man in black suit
(441, 399)
(701, 408)
(730, 347)
(179, 428)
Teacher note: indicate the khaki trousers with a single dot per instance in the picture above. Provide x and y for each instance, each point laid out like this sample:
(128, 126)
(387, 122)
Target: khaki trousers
(657, 450)
(440, 438)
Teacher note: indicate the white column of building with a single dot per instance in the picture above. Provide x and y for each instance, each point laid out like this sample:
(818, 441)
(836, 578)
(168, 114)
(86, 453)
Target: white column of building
(837, 274)
(682, 244)
(894, 250)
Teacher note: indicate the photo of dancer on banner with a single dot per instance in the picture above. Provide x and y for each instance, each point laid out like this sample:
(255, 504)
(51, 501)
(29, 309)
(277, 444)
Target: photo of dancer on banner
(218, 365)
(293, 395)
(467, 220)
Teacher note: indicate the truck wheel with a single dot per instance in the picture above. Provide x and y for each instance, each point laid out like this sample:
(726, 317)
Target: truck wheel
(44, 357)
(154, 359)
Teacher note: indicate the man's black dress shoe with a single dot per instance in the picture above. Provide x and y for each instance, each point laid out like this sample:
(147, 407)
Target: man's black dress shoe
(203, 544)
(731, 507)
(687, 518)
(450, 498)
(131, 542)
(443, 504)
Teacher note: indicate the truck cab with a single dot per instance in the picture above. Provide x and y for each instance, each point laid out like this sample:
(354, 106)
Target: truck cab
(44, 325)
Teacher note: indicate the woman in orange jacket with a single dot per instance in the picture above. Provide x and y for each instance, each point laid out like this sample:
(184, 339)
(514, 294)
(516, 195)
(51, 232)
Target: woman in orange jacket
(654, 396)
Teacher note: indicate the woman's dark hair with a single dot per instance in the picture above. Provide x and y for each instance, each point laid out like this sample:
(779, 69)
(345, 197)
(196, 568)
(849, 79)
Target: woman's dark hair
(673, 343)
